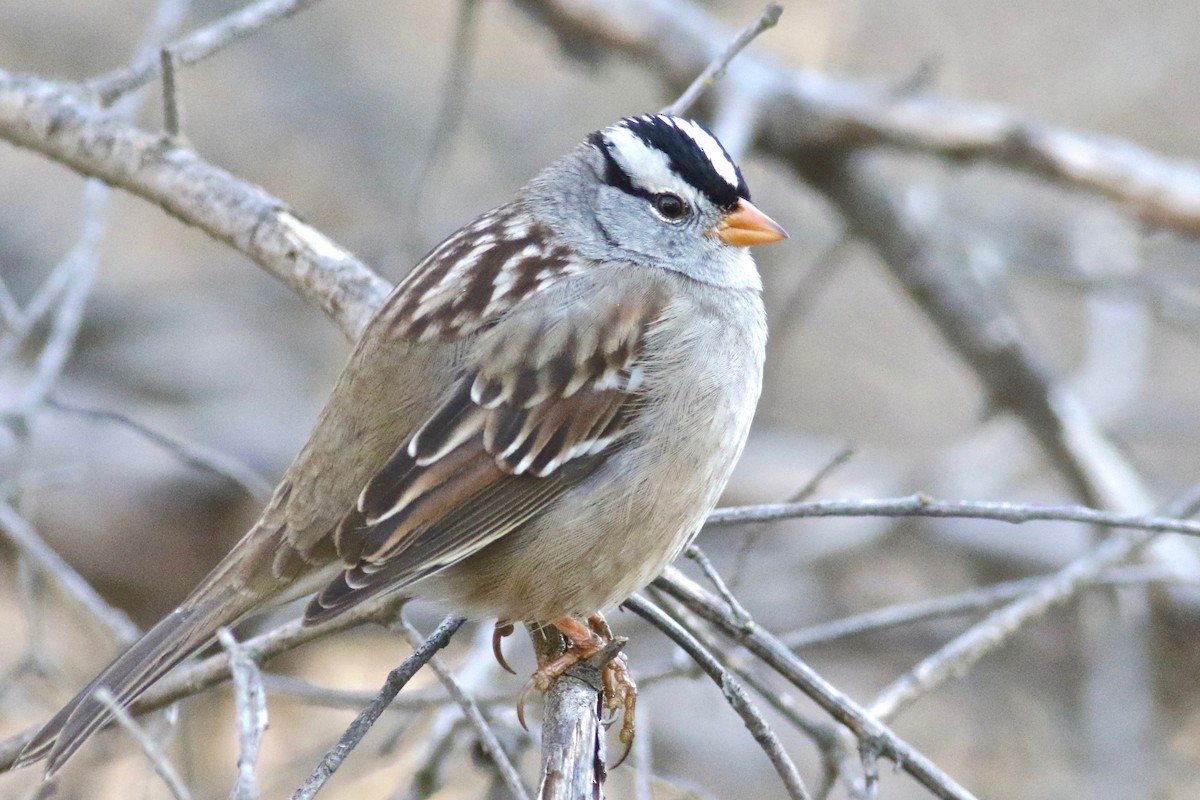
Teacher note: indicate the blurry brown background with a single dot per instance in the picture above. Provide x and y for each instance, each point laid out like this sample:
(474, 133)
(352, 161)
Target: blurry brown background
(333, 110)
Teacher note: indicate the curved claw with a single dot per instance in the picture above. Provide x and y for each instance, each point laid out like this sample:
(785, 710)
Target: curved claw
(628, 742)
(502, 630)
(521, 703)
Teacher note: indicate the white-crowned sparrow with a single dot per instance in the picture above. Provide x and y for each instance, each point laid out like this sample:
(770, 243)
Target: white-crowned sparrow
(537, 420)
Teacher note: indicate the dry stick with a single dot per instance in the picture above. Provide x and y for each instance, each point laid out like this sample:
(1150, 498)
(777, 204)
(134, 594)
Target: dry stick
(68, 316)
(825, 737)
(188, 453)
(696, 554)
(52, 119)
(981, 599)
(302, 691)
(470, 709)
(735, 695)
(153, 752)
(61, 574)
(449, 115)
(803, 493)
(776, 656)
(998, 627)
(982, 332)
(716, 68)
(170, 98)
(396, 680)
(920, 505)
(250, 702)
(195, 46)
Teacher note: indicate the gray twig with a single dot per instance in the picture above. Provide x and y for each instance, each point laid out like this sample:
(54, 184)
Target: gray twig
(170, 96)
(188, 453)
(716, 68)
(62, 575)
(919, 505)
(195, 46)
(250, 702)
(983, 598)
(775, 655)
(158, 759)
(735, 695)
(956, 656)
(696, 554)
(470, 709)
(396, 680)
(453, 95)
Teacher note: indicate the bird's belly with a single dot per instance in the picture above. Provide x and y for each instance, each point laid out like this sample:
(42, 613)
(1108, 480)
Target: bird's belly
(613, 533)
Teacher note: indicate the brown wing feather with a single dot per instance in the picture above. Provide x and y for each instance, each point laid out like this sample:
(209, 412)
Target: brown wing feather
(543, 408)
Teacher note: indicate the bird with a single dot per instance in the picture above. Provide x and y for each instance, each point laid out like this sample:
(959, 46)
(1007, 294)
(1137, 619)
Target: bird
(535, 422)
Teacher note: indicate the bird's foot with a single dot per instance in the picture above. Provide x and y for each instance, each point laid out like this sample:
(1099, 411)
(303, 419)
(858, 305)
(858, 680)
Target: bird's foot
(586, 640)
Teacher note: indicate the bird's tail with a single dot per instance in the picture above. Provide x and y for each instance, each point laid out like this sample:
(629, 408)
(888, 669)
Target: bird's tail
(237, 586)
(181, 633)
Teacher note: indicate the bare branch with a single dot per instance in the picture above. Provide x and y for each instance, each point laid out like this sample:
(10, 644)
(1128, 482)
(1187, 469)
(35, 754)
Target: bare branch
(51, 119)
(735, 695)
(982, 599)
(775, 655)
(716, 68)
(396, 680)
(196, 46)
(154, 753)
(170, 96)
(808, 110)
(449, 115)
(572, 737)
(62, 575)
(190, 454)
(470, 709)
(919, 505)
(250, 702)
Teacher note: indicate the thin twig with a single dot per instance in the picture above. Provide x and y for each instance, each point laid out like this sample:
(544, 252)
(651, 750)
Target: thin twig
(188, 453)
(302, 691)
(980, 599)
(735, 695)
(250, 702)
(53, 119)
(956, 656)
(170, 96)
(62, 575)
(775, 655)
(396, 680)
(487, 737)
(834, 758)
(696, 554)
(453, 96)
(920, 505)
(195, 46)
(162, 766)
(716, 68)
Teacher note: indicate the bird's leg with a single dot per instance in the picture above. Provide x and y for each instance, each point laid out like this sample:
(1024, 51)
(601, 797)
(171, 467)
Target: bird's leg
(620, 691)
(582, 643)
(586, 639)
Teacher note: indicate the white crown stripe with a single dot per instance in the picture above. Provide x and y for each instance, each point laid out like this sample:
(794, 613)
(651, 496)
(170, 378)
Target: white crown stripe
(710, 147)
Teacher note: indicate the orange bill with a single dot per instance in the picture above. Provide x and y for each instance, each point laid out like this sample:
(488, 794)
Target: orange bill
(746, 226)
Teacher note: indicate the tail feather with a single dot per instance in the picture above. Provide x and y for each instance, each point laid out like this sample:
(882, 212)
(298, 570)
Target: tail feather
(173, 639)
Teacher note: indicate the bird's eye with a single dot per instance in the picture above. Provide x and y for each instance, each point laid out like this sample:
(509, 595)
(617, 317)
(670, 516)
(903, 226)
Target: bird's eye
(671, 207)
